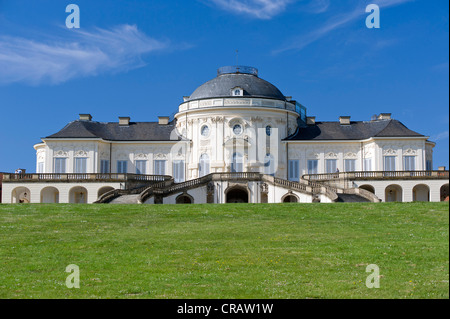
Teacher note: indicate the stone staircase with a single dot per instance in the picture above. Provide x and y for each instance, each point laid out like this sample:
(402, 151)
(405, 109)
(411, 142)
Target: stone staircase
(351, 198)
(166, 188)
(126, 199)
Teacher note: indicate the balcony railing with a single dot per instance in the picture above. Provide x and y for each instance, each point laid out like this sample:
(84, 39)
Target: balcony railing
(378, 175)
(109, 177)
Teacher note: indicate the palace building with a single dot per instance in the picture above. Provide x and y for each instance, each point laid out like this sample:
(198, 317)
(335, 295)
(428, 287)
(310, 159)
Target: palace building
(236, 138)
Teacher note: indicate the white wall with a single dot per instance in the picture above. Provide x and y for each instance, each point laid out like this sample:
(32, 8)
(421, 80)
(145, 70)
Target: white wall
(63, 188)
(407, 188)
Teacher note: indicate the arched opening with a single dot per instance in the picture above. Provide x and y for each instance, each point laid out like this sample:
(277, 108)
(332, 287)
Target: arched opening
(50, 195)
(20, 195)
(394, 193)
(204, 165)
(421, 193)
(368, 188)
(237, 163)
(290, 198)
(237, 195)
(78, 195)
(184, 199)
(104, 190)
(444, 193)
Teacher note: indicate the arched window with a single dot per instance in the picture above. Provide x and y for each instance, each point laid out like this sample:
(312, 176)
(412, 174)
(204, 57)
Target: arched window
(204, 165)
(237, 163)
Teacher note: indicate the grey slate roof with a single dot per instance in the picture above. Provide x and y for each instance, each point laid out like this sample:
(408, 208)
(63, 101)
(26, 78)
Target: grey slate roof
(136, 131)
(222, 85)
(355, 131)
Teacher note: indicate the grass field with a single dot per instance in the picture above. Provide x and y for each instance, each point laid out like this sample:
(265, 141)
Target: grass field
(225, 251)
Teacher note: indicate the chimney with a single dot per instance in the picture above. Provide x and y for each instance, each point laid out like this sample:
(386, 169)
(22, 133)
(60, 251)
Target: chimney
(441, 168)
(384, 116)
(85, 117)
(124, 121)
(163, 120)
(344, 120)
(311, 120)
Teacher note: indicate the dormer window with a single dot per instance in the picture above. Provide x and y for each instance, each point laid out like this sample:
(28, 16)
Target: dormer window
(237, 91)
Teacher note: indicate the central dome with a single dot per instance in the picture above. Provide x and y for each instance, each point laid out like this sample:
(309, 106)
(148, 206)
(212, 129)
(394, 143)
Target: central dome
(229, 78)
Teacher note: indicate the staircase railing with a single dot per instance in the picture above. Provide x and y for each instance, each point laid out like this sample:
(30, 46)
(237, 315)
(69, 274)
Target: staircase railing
(168, 187)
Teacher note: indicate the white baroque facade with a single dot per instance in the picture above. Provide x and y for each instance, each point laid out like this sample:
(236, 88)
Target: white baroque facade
(237, 138)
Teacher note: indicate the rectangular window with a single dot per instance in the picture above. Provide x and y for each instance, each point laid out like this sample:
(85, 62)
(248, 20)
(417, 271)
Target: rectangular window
(160, 167)
(409, 163)
(313, 166)
(141, 167)
(294, 170)
(429, 165)
(40, 167)
(367, 164)
(60, 166)
(331, 165)
(104, 166)
(350, 165)
(122, 167)
(178, 171)
(80, 165)
(389, 163)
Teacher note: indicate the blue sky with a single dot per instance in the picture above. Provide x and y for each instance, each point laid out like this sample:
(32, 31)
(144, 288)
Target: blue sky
(139, 58)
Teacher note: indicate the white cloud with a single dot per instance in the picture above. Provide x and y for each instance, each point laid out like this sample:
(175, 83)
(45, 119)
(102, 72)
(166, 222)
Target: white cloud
(84, 53)
(336, 22)
(316, 6)
(261, 9)
(441, 136)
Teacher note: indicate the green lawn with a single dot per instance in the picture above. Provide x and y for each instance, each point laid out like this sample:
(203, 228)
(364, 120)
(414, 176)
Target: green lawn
(225, 251)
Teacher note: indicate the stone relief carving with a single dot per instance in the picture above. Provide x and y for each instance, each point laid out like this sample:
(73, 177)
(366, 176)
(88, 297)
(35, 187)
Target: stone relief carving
(331, 155)
(160, 156)
(264, 188)
(140, 156)
(389, 151)
(350, 155)
(61, 153)
(410, 151)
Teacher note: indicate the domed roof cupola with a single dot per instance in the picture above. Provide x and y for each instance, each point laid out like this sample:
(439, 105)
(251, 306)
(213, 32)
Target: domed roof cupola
(231, 79)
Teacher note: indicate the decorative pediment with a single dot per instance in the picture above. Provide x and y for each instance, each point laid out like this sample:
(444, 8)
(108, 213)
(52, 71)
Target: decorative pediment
(161, 156)
(410, 151)
(313, 155)
(122, 156)
(140, 156)
(81, 153)
(350, 155)
(61, 153)
(389, 151)
(331, 155)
